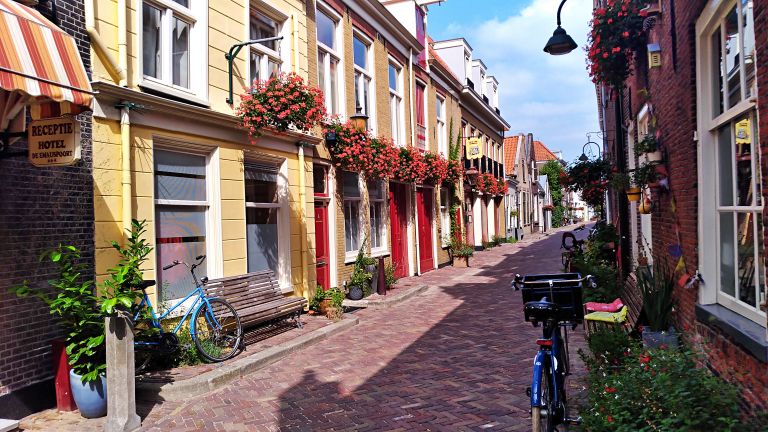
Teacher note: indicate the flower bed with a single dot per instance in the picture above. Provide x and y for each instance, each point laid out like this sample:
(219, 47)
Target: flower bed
(279, 103)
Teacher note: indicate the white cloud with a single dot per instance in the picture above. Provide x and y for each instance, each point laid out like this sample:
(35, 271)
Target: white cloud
(550, 96)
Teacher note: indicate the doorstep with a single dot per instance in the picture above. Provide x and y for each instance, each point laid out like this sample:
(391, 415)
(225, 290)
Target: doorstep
(8, 425)
(376, 301)
(221, 374)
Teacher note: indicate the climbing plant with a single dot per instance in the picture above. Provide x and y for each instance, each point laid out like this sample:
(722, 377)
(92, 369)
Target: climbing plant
(554, 171)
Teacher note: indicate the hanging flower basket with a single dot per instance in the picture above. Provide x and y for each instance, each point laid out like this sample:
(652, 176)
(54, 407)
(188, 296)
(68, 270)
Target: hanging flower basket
(617, 33)
(503, 187)
(633, 194)
(437, 168)
(279, 103)
(455, 172)
(487, 184)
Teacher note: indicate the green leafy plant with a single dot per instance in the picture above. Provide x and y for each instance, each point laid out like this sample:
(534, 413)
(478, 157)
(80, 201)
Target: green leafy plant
(118, 290)
(619, 181)
(461, 249)
(389, 274)
(645, 174)
(657, 288)
(648, 144)
(75, 303)
(360, 276)
(335, 310)
(610, 345)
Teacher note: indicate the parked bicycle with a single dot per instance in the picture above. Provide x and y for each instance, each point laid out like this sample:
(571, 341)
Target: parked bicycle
(574, 248)
(555, 302)
(213, 323)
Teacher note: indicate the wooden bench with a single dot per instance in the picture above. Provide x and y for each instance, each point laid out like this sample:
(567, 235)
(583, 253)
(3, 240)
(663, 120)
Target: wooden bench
(257, 298)
(632, 299)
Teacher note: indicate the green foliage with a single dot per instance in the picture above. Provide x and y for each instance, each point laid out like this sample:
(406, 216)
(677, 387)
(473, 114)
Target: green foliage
(461, 249)
(658, 390)
(619, 182)
(645, 174)
(647, 145)
(657, 288)
(606, 278)
(335, 295)
(360, 276)
(389, 274)
(77, 306)
(555, 172)
(609, 346)
(117, 290)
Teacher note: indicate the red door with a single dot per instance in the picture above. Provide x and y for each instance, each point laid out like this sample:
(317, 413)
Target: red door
(398, 217)
(424, 207)
(321, 240)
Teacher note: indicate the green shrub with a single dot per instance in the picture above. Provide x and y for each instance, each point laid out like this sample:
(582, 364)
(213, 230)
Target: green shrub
(610, 346)
(606, 278)
(659, 390)
(389, 274)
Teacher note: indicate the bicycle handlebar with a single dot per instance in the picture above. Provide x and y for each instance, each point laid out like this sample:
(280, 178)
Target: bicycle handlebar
(591, 279)
(199, 259)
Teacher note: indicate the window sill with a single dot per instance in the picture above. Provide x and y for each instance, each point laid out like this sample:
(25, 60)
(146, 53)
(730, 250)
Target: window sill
(175, 93)
(287, 289)
(349, 259)
(744, 332)
(379, 253)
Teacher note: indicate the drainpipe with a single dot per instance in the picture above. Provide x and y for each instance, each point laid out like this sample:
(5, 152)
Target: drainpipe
(302, 215)
(125, 147)
(122, 38)
(115, 71)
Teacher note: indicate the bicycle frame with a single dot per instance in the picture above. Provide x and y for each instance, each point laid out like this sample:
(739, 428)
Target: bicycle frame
(549, 354)
(200, 300)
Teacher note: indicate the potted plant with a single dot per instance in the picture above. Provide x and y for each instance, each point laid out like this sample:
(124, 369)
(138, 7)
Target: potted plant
(619, 181)
(616, 35)
(645, 175)
(460, 252)
(657, 288)
(648, 148)
(75, 303)
(645, 206)
(328, 302)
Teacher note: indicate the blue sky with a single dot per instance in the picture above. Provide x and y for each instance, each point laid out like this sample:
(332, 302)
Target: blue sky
(550, 96)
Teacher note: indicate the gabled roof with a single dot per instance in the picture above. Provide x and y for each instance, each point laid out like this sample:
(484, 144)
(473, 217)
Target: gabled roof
(510, 153)
(542, 153)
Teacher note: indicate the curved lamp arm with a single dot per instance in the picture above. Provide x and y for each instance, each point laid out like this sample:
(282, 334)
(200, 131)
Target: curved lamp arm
(560, 8)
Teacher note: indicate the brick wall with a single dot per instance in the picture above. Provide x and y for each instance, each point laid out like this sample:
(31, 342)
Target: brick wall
(39, 208)
(672, 90)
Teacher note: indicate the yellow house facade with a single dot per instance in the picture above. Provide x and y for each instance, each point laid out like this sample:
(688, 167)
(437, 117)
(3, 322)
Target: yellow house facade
(168, 148)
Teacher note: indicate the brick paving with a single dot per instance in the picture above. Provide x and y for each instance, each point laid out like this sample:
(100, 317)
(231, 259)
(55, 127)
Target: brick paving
(456, 357)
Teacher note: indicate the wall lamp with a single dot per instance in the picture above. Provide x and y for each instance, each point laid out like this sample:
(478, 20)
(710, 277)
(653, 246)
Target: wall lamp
(560, 43)
(588, 148)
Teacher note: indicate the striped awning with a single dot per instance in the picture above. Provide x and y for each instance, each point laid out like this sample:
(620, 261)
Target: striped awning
(40, 64)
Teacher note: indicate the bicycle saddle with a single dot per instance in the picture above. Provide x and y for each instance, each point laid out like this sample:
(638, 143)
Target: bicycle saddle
(144, 284)
(541, 310)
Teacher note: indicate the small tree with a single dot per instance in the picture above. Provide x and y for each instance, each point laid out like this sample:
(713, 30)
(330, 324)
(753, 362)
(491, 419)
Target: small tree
(554, 171)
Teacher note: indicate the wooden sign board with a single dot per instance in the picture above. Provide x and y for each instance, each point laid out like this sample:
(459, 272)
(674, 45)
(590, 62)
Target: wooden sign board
(54, 141)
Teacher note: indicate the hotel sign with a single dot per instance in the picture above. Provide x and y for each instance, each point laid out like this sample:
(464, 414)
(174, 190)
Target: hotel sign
(54, 141)
(474, 148)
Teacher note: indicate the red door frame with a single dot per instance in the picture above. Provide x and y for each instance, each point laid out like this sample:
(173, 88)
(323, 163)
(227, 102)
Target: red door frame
(398, 218)
(322, 255)
(425, 209)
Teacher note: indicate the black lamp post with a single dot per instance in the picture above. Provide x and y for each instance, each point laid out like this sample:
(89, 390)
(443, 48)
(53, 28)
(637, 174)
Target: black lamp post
(560, 43)
(584, 156)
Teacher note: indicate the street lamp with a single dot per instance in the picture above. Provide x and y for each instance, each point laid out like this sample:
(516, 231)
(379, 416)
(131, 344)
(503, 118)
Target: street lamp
(560, 43)
(359, 120)
(584, 156)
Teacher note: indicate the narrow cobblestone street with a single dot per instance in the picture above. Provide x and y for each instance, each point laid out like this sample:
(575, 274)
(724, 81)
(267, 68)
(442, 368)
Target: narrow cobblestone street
(457, 357)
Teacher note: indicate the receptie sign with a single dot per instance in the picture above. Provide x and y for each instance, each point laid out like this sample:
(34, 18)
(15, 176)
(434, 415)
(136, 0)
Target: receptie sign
(54, 141)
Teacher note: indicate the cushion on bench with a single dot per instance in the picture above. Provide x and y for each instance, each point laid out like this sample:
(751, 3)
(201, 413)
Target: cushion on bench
(614, 306)
(609, 317)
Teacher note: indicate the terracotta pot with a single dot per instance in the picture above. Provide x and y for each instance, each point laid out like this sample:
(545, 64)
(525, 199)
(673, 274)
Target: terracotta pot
(633, 194)
(323, 306)
(461, 262)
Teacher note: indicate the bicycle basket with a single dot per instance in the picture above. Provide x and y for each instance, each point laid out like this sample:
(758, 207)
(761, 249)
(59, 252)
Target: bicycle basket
(565, 293)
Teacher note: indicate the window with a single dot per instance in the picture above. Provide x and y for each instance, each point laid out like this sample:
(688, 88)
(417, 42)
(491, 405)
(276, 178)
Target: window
(445, 216)
(396, 104)
(363, 76)
(262, 215)
(733, 259)
(351, 191)
(421, 128)
(168, 31)
(378, 203)
(442, 146)
(265, 59)
(181, 204)
(320, 179)
(328, 60)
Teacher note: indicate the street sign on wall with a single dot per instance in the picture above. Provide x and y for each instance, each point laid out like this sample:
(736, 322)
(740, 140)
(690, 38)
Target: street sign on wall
(474, 148)
(54, 141)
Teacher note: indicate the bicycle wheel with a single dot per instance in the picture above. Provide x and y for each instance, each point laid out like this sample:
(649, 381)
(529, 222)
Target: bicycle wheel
(566, 259)
(217, 330)
(542, 416)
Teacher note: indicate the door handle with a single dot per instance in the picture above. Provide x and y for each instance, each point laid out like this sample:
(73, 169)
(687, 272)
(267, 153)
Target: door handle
(320, 262)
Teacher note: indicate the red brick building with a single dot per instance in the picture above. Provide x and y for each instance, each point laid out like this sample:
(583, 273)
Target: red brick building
(704, 104)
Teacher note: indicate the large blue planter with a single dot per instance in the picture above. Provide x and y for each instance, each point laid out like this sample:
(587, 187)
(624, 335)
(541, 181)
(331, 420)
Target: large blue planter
(91, 398)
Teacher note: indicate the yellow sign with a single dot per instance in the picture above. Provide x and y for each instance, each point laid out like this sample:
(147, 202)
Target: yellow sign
(474, 148)
(743, 132)
(54, 141)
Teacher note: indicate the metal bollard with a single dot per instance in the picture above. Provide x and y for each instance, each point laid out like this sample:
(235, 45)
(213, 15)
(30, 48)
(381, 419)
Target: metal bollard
(382, 288)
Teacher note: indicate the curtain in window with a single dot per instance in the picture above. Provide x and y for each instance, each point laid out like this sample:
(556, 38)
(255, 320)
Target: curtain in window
(261, 214)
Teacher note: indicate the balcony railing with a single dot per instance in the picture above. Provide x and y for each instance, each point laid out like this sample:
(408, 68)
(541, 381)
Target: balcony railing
(470, 83)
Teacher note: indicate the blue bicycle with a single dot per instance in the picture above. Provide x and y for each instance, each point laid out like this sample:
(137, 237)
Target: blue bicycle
(213, 324)
(555, 302)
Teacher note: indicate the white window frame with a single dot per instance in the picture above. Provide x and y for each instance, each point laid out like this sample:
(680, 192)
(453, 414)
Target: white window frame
(440, 116)
(445, 216)
(712, 18)
(351, 255)
(425, 107)
(283, 223)
(213, 245)
(281, 56)
(361, 75)
(196, 16)
(396, 104)
(382, 201)
(337, 54)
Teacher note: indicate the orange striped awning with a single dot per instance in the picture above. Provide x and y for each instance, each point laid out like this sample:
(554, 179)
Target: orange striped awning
(40, 64)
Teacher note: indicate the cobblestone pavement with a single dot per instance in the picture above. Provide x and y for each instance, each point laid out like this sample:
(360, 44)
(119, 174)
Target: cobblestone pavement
(457, 357)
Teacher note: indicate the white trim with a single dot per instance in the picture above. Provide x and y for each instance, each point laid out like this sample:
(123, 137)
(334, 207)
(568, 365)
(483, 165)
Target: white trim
(214, 243)
(338, 54)
(368, 72)
(413, 246)
(332, 247)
